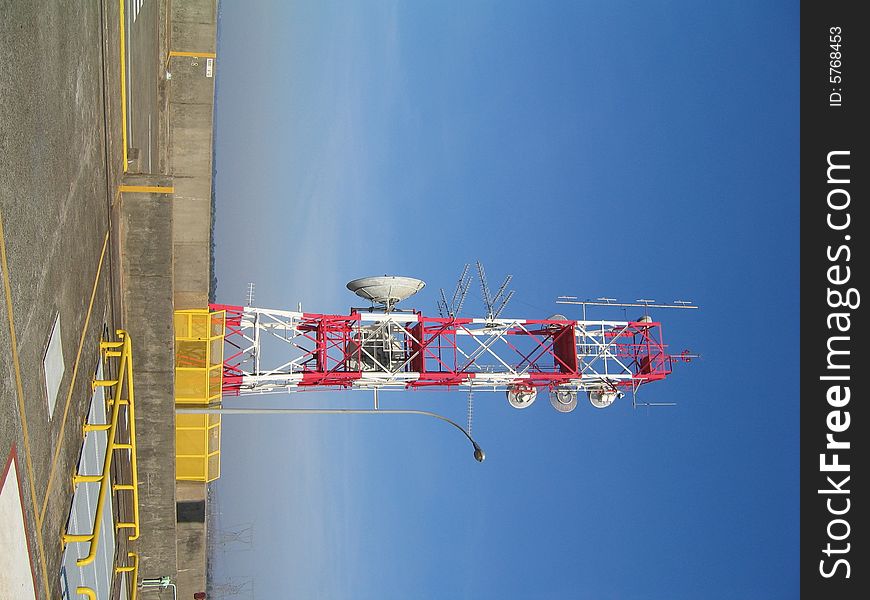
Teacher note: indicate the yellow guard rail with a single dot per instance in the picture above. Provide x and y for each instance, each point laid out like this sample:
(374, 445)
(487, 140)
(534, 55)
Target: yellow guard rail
(122, 394)
(134, 569)
(199, 355)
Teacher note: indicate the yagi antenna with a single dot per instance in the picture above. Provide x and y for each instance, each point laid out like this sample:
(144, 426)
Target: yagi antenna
(469, 410)
(461, 290)
(503, 304)
(502, 288)
(249, 295)
(504, 297)
(443, 307)
(494, 304)
(635, 403)
(466, 283)
(640, 302)
(484, 288)
(452, 309)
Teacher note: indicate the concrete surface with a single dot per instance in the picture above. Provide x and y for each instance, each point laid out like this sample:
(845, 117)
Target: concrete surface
(191, 116)
(57, 182)
(143, 71)
(190, 127)
(191, 542)
(72, 242)
(146, 268)
(193, 25)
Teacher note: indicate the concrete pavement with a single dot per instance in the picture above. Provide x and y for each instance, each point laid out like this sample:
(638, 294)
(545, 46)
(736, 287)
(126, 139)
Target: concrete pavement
(60, 214)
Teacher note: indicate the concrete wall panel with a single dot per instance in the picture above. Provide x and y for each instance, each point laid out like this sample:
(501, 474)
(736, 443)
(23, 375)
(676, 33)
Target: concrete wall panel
(192, 221)
(191, 491)
(192, 275)
(204, 12)
(146, 271)
(190, 83)
(190, 139)
(193, 37)
(193, 25)
(191, 187)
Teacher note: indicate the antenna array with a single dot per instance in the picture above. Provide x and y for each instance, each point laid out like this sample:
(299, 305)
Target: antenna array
(454, 307)
(405, 349)
(494, 304)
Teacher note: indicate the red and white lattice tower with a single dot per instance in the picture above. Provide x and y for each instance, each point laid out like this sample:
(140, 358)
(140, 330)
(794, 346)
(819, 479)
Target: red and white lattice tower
(389, 348)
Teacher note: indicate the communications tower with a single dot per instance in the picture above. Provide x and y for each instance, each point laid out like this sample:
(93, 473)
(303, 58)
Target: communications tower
(383, 347)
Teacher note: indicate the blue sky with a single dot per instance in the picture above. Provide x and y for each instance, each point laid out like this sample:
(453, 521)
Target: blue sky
(626, 149)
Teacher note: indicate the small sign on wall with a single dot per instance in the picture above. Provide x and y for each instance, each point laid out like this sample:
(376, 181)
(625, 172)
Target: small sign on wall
(209, 67)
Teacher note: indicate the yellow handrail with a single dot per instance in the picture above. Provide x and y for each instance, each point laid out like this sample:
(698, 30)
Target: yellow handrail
(86, 591)
(125, 375)
(134, 568)
(133, 486)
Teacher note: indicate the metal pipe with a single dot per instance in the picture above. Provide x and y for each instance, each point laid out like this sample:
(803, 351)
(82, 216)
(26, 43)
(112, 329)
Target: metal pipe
(479, 455)
(162, 583)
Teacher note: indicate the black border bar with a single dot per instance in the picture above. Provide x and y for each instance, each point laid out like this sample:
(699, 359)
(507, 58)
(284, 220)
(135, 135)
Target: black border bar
(834, 231)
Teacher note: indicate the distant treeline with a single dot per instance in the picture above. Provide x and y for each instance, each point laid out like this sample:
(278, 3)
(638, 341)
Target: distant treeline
(212, 284)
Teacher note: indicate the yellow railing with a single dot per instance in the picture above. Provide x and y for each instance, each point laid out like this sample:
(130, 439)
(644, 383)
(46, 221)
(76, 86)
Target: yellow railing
(199, 353)
(134, 589)
(133, 486)
(122, 395)
(134, 569)
(197, 447)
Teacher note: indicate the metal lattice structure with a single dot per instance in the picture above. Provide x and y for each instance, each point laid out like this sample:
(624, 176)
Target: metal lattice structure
(408, 350)
(236, 538)
(237, 588)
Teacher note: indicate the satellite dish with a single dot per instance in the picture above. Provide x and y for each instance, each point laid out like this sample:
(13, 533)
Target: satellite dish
(386, 290)
(556, 317)
(602, 398)
(521, 395)
(563, 401)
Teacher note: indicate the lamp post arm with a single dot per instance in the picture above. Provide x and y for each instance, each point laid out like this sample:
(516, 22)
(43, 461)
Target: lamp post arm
(478, 452)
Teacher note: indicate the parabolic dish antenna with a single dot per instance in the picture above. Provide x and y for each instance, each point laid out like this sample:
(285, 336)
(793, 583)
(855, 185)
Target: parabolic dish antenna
(521, 395)
(602, 398)
(386, 290)
(556, 317)
(563, 400)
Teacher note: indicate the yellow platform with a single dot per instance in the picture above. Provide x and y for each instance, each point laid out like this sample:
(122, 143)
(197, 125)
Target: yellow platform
(199, 343)
(197, 447)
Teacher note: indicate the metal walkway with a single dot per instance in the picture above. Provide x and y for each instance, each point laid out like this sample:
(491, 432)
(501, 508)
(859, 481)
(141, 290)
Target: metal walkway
(97, 575)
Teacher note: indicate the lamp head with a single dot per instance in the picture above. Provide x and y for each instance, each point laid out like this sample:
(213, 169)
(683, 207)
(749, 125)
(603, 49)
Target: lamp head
(479, 456)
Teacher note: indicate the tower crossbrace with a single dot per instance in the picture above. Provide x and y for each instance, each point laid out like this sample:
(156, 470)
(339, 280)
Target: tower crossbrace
(407, 350)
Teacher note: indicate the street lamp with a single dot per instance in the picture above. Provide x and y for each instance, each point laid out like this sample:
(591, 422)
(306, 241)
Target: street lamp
(479, 455)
